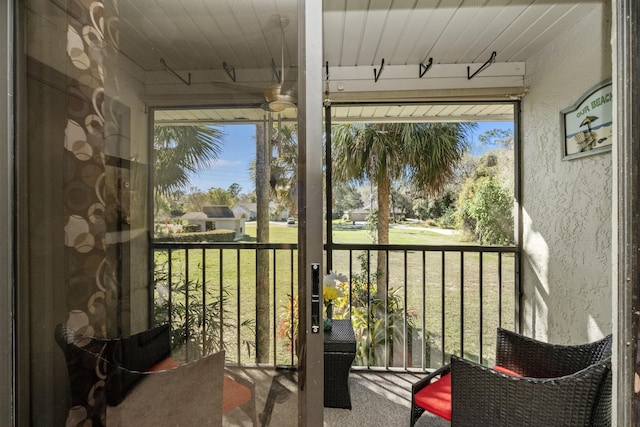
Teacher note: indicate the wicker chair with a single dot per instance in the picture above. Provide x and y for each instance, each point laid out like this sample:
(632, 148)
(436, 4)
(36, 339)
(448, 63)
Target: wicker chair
(533, 383)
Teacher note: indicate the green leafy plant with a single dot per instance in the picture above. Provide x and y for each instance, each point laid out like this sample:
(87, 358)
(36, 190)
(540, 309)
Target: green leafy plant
(449, 219)
(199, 320)
(377, 337)
(487, 212)
(288, 323)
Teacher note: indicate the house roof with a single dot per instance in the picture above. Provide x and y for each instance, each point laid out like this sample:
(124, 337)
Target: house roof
(249, 207)
(194, 216)
(218, 211)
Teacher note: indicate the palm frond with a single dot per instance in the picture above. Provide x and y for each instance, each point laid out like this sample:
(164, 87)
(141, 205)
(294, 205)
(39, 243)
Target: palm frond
(180, 151)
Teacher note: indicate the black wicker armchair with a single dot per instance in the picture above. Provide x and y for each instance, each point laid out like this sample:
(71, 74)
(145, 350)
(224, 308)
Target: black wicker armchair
(532, 384)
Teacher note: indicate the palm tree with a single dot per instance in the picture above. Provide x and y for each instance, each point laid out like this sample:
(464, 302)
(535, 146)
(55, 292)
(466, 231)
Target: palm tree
(272, 176)
(424, 153)
(284, 170)
(262, 171)
(180, 151)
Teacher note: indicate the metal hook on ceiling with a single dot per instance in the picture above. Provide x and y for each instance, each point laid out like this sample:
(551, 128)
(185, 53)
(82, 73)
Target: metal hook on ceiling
(169, 69)
(485, 65)
(231, 71)
(424, 68)
(376, 73)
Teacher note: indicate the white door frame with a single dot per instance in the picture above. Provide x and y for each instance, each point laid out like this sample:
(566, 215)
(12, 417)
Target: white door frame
(7, 360)
(310, 217)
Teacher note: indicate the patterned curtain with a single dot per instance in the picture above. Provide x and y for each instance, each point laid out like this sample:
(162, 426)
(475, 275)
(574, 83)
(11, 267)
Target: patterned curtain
(92, 290)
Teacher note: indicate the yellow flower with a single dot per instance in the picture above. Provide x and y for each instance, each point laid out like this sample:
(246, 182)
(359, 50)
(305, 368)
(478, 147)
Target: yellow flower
(331, 286)
(330, 293)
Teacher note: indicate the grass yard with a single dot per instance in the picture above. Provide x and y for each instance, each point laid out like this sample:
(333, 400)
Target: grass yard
(432, 296)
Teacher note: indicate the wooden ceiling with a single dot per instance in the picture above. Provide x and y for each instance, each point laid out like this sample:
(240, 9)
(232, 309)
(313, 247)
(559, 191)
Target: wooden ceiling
(375, 49)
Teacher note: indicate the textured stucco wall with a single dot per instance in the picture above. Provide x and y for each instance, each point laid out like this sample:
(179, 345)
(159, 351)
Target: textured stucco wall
(566, 281)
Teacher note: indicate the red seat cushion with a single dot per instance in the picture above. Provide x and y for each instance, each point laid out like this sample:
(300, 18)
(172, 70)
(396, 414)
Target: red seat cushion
(164, 365)
(506, 371)
(436, 397)
(234, 394)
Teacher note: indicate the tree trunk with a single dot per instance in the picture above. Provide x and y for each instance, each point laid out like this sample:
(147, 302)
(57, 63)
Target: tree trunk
(383, 232)
(263, 175)
(294, 200)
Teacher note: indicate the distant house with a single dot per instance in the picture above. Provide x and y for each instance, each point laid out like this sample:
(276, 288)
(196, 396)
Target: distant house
(359, 214)
(216, 218)
(249, 211)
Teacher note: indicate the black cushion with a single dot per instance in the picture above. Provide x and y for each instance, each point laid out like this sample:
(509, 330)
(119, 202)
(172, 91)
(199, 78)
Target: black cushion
(133, 357)
(116, 363)
(88, 367)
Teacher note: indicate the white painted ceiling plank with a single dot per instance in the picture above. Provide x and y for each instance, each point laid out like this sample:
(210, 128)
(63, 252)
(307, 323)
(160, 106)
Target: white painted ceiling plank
(371, 36)
(432, 35)
(477, 37)
(355, 21)
(181, 30)
(395, 27)
(412, 47)
(542, 34)
(333, 27)
(150, 27)
(454, 31)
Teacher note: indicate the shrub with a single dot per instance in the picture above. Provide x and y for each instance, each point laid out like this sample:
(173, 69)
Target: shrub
(207, 236)
(449, 219)
(191, 228)
(488, 212)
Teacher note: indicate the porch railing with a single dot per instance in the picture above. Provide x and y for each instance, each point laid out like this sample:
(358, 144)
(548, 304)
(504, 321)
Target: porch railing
(432, 301)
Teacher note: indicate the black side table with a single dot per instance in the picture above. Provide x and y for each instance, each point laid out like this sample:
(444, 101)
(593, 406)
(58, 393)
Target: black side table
(339, 352)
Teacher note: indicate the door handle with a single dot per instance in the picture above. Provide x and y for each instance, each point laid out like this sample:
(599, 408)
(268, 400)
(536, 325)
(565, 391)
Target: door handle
(315, 298)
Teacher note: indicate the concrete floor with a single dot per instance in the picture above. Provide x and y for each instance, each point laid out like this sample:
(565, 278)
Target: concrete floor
(377, 399)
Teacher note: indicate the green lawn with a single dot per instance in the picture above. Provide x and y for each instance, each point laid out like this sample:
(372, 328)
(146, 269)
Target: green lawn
(422, 296)
(281, 233)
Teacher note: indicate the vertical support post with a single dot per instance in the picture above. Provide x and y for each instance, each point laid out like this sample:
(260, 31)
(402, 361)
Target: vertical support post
(518, 220)
(310, 236)
(328, 184)
(7, 332)
(625, 222)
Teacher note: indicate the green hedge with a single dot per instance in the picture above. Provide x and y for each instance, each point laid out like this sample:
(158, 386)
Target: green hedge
(208, 236)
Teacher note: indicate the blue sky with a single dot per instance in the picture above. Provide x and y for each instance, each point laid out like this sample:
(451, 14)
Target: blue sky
(232, 166)
(239, 148)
